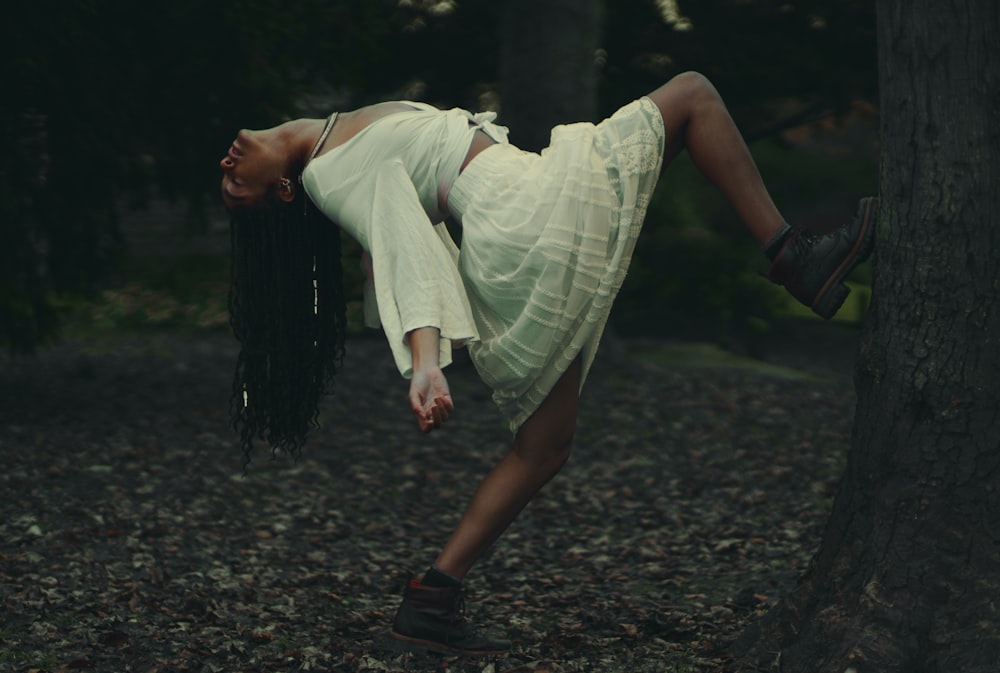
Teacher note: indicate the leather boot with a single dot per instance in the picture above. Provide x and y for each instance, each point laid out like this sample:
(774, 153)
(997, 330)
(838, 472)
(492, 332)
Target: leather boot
(434, 618)
(813, 267)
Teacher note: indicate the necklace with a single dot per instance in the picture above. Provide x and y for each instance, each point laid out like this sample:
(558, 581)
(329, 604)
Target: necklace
(322, 138)
(319, 145)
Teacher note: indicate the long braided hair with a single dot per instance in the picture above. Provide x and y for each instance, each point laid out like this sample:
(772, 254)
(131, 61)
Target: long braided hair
(287, 310)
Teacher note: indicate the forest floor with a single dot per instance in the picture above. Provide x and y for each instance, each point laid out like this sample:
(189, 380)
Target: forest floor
(132, 540)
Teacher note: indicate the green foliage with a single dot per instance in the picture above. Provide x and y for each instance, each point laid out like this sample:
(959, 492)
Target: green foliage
(188, 292)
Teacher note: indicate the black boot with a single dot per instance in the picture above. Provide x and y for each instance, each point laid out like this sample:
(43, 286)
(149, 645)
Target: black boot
(433, 617)
(813, 267)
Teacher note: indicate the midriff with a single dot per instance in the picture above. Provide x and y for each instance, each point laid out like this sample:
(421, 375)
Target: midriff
(480, 141)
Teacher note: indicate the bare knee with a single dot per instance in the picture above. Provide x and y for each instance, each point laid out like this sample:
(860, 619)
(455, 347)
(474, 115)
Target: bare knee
(544, 441)
(545, 452)
(695, 83)
(683, 94)
(684, 98)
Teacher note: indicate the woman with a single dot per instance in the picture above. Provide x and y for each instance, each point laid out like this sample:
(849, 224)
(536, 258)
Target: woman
(546, 241)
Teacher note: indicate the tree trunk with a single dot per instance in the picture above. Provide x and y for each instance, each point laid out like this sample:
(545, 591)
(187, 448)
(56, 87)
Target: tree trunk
(547, 66)
(907, 578)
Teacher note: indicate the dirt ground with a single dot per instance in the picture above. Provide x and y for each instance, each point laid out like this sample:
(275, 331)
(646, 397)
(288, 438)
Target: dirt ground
(131, 539)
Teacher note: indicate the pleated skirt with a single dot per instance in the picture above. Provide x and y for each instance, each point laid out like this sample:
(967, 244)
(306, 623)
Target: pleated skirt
(547, 239)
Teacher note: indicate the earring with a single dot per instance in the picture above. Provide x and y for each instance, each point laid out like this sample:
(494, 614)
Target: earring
(286, 184)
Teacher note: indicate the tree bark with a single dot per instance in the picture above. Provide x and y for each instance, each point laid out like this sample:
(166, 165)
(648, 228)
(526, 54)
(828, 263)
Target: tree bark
(547, 66)
(907, 578)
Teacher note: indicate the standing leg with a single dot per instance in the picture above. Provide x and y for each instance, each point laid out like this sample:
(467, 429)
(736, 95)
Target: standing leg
(541, 447)
(430, 613)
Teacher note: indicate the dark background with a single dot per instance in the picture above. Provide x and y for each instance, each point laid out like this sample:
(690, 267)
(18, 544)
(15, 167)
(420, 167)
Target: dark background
(118, 112)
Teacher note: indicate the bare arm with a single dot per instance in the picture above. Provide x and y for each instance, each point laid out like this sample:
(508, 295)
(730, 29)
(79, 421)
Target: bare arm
(430, 398)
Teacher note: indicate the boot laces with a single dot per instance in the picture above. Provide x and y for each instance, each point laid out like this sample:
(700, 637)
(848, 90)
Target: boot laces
(459, 615)
(801, 240)
(804, 243)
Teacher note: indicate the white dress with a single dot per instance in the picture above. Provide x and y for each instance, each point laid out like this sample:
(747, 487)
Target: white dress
(546, 238)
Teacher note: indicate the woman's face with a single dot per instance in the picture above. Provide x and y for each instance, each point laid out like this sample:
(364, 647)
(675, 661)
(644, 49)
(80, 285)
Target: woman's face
(250, 170)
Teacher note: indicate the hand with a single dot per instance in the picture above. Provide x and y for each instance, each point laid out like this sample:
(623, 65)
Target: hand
(430, 398)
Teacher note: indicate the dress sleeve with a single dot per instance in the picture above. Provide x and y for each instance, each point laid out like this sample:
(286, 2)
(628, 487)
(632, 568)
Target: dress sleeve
(415, 280)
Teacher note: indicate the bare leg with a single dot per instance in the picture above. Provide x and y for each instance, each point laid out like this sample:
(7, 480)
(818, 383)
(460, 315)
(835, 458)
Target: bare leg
(541, 447)
(695, 118)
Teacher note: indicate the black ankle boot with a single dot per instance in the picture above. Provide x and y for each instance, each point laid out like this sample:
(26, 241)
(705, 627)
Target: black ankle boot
(433, 617)
(813, 267)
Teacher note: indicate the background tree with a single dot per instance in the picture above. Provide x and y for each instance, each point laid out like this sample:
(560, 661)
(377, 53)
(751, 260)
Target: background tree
(548, 50)
(905, 579)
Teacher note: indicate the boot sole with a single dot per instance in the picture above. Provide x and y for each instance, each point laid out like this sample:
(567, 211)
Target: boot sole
(832, 295)
(407, 642)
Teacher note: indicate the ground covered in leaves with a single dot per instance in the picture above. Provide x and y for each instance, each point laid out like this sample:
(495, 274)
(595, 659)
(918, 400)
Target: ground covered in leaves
(131, 539)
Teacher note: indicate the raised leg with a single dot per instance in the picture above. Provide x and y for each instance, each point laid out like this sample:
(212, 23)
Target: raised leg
(811, 268)
(696, 119)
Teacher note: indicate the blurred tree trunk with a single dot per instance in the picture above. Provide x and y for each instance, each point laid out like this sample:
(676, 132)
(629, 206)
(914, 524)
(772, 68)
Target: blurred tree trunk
(547, 66)
(906, 579)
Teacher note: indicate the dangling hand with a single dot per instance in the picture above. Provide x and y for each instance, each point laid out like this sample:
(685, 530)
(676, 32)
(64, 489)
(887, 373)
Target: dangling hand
(430, 398)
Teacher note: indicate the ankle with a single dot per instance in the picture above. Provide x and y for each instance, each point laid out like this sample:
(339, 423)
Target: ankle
(773, 246)
(433, 577)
